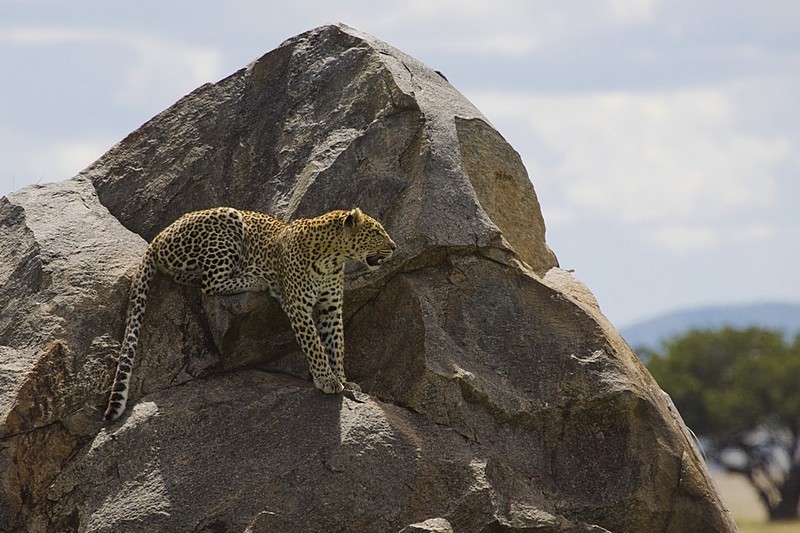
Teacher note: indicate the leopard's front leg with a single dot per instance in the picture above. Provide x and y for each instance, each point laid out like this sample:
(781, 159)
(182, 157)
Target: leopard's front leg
(302, 320)
(331, 331)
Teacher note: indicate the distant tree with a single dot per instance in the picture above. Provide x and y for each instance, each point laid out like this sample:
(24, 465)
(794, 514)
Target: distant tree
(740, 391)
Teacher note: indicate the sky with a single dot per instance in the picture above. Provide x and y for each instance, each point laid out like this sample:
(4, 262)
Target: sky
(662, 136)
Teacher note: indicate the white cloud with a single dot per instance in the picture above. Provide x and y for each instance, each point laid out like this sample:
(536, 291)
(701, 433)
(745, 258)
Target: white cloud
(634, 158)
(67, 158)
(511, 44)
(46, 161)
(487, 27)
(684, 238)
(159, 66)
(752, 233)
(34, 36)
(160, 62)
(691, 238)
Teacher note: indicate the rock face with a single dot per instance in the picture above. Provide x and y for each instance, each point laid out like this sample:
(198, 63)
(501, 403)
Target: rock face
(497, 398)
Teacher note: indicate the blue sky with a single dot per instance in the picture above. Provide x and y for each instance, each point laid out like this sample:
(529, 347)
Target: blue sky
(662, 137)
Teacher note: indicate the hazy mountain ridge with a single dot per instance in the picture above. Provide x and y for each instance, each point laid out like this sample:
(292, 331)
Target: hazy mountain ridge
(650, 333)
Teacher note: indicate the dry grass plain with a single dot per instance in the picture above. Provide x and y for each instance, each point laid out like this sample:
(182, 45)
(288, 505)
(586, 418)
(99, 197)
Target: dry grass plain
(748, 512)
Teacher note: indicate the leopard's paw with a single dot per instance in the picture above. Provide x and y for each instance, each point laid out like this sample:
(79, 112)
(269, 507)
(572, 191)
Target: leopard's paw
(329, 384)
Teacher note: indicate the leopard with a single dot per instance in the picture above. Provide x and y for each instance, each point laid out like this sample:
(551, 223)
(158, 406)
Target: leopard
(225, 251)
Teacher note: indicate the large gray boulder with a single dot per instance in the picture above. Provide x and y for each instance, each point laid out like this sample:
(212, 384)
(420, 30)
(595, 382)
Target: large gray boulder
(496, 395)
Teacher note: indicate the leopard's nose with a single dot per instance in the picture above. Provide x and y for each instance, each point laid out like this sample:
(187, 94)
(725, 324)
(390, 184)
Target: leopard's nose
(394, 246)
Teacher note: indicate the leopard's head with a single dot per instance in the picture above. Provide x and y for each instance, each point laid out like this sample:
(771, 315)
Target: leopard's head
(366, 240)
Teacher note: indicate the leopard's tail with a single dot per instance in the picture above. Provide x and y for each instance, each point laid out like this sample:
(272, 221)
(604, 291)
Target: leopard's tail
(140, 286)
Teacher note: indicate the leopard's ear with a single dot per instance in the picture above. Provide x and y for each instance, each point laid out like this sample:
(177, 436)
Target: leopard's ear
(354, 218)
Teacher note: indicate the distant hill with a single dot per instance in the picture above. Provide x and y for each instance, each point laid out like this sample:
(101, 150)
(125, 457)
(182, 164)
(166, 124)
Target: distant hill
(650, 333)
